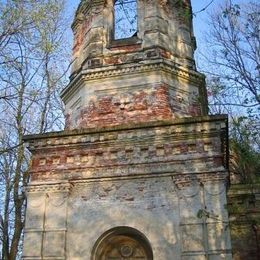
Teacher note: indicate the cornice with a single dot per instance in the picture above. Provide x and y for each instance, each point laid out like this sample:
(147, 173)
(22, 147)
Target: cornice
(174, 122)
(127, 69)
(117, 142)
(181, 180)
(144, 67)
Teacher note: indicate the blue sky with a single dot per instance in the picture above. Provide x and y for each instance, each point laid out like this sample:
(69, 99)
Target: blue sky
(197, 6)
(200, 19)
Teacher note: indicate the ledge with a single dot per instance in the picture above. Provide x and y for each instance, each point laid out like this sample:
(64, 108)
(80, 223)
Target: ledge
(181, 121)
(130, 68)
(124, 42)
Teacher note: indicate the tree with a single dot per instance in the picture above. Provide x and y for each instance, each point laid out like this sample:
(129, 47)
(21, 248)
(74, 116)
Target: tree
(233, 70)
(244, 151)
(235, 55)
(33, 63)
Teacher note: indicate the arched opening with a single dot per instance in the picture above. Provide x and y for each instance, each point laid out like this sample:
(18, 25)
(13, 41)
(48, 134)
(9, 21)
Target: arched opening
(122, 243)
(125, 19)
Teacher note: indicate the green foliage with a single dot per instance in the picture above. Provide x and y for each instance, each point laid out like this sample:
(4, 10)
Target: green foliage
(184, 12)
(234, 59)
(233, 62)
(245, 149)
(235, 208)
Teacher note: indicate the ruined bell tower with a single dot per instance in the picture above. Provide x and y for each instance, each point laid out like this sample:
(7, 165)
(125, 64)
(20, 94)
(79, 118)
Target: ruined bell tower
(140, 170)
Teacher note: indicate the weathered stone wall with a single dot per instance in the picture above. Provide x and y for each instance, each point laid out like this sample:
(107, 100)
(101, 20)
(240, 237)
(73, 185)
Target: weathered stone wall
(133, 94)
(67, 224)
(166, 180)
(143, 153)
(244, 217)
(151, 76)
(160, 24)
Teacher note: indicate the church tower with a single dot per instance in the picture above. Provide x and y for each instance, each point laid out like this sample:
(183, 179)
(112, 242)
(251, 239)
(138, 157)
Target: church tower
(140, 170)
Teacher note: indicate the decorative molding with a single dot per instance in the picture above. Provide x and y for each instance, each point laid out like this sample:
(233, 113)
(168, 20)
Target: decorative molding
(126, 69)
(176, 129)
(118, 171)
(45, 188)
(215, 193)
(188, 180)
(180, 181)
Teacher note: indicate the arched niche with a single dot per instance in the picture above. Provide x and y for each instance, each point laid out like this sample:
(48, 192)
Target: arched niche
(122, 243)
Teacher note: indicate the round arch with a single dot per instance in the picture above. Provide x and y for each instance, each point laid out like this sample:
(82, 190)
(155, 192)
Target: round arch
(122, 243)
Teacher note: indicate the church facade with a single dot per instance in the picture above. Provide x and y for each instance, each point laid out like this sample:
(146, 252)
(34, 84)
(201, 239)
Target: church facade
(140, 171)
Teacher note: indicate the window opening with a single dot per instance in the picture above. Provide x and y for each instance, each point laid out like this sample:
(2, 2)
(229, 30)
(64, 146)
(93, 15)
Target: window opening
(125, 19)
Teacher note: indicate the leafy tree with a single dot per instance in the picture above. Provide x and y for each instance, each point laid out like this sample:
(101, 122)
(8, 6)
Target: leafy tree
(234, 41)
(244, 147)
(232, 63)
(33, 63)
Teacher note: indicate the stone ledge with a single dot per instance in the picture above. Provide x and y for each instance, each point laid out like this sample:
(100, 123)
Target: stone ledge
(180, 180)
(126, 69)
(174, 122)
